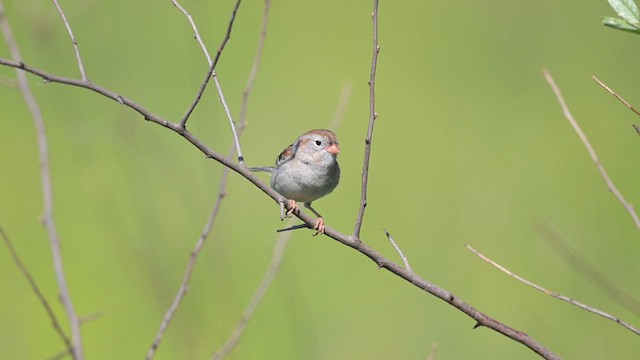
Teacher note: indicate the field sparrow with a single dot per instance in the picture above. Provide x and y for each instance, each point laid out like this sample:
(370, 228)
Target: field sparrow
(305, 171)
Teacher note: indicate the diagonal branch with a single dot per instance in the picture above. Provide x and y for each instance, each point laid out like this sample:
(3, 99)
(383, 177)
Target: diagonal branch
(594, 157)
(554, 294)
(372, 118)
(73, 40)
(47, 191)
(36, 290)
(404, 258)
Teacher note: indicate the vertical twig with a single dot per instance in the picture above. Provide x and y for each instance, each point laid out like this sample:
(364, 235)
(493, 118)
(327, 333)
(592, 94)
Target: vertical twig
(554, 294)
(274, 266)
(372, 118)
(212, 74)
(73, 41)
(36, 290)
(222, 191)
(47, 190)
(594, 157)
(195, 30)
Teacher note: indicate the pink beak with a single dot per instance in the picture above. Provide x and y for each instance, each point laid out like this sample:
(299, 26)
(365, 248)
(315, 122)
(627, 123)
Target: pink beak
(333, 149)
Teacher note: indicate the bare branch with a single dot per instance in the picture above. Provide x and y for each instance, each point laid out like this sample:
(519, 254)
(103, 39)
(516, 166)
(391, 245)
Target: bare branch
(47, 191)
(36, 290)
(274, 266)
(372, 118)
(348, 240)
(404, 258)
(554, 294)
(222, 191)
(73, 40)
(212, 74)
(620, 98)
(196, 33)
(592, 153)
(584, 268)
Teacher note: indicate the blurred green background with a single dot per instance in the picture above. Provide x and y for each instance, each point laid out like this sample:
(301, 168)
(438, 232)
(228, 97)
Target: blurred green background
(470, 147)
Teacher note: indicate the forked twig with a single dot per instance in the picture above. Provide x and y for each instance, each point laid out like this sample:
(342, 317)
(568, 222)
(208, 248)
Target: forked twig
(212, 74)
(594, 157)
(47, 191)
(554, 294)
(73, 40)
(372, 118)
(36, 290)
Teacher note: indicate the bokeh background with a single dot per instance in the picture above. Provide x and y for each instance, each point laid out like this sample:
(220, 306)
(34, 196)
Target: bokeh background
(470, 147)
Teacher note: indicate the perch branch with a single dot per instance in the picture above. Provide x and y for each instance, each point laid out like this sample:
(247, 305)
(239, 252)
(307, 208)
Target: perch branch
(83, 74)
(47, 191)
(372, 118)
(554, 294)
(594, 157)
(348, 240)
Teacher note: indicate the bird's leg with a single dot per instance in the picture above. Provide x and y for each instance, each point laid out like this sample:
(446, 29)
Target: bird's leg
(292, 208)
(319, 224)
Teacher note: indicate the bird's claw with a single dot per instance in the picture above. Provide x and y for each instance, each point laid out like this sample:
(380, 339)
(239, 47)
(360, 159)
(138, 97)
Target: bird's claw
(292, 208)
(319, 226)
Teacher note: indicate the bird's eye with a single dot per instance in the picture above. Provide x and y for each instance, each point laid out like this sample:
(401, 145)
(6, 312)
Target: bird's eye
(318, 142)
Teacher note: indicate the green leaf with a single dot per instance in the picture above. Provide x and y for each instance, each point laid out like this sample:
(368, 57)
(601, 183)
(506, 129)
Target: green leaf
(620, 24)
(626, 9)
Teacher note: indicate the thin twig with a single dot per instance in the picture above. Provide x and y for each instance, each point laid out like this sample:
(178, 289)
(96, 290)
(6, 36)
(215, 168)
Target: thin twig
(195, 30)
(616, 95)
(73, 40)
(47, 191)
(372, 118)
(592, 153)
(348, 240)
(590, 272)
(222, 191)
(212, 74)
(554, 294)
(274, 266)
(36, 290)
(622, 100)
(404, 258)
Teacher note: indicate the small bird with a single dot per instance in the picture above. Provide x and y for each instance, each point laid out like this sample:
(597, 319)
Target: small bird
(306, 171)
